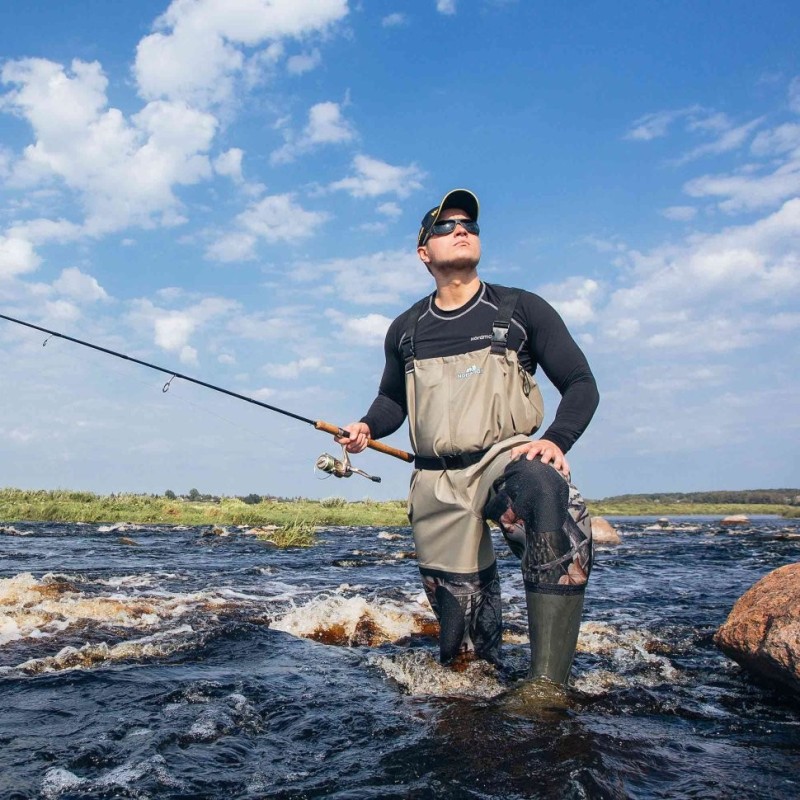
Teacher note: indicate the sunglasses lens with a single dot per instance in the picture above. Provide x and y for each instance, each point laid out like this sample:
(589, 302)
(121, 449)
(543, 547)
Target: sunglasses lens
(448, 226)
(442, 228)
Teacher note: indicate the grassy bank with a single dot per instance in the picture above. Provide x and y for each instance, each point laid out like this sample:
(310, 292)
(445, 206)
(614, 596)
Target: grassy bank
(295, 518)
(633, 508)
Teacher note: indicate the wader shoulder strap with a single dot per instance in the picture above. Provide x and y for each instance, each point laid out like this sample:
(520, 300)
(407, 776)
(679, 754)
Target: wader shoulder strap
(505, 311)
(407, 339)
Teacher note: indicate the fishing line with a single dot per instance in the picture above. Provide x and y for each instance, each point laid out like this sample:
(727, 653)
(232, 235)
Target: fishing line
(341, 468)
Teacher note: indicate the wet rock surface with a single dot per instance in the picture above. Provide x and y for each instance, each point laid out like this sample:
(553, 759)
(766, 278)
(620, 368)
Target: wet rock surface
(603, 532)
(762, 632)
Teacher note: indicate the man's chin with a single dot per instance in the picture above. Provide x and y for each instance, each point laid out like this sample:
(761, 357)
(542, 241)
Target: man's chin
(462, 264)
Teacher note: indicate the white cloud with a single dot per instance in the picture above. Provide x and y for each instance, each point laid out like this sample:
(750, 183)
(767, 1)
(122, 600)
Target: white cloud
(369, 330)
(274, 218)
(680, 213)
(390, 210)
(794, 95)
(777, 141)
(382, 278)
(294, 368)
(272, 326)
(42, 231)
(278, 218)
(172, 329)
(17, 256)
(655, 125)
(747, 190)
(729, 138)
(446, 6)
(5, 160)
(229, 163)
(304, 62)
(260, 67)
(574, 299)
(326, 125)
(236, 246)
(725, 136)
(705, 294)
(124, 173)
(604, 245)
(374, 178)
(197, 49)
(61, 310)
(395, 20)
(79, 286)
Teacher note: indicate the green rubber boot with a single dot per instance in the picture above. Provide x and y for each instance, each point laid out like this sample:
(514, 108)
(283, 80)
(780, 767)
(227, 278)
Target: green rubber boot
(553, 624)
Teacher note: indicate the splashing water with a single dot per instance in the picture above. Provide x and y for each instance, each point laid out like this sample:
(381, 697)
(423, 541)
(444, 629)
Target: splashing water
(195, 666)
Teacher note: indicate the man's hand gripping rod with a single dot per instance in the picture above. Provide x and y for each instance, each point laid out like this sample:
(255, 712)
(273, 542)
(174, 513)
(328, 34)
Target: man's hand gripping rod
(343, 468)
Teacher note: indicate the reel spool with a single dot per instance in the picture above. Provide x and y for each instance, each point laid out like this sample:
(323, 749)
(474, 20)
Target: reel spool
(341, 468)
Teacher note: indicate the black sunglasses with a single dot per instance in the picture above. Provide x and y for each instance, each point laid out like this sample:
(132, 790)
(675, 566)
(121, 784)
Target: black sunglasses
(449, 225)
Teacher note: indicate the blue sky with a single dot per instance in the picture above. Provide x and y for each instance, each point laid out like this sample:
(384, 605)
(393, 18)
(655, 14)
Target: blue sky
(232, 189)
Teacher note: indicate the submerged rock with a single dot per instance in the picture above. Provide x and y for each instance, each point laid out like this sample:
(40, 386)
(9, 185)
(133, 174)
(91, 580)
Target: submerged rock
(603, 532)
(762, 632)
(735, 519)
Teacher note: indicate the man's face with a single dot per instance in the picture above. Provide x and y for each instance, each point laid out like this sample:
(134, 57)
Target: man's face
(458, 250)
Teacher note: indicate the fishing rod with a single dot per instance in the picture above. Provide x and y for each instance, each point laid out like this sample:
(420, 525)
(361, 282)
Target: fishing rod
(340, 468)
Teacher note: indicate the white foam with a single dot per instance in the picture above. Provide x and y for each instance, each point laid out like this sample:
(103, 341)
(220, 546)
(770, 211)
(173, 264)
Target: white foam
(31, 608)
(421, 675)
(9, 630)
(632, 661)
(352, 621)
(157, 645)
(58, 780)
(11, 531)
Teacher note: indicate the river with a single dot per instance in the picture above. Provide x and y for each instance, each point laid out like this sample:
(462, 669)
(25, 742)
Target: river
(162, 662)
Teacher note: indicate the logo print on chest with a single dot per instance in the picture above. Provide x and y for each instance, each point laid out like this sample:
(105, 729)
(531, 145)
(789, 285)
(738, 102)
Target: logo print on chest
(469, 372)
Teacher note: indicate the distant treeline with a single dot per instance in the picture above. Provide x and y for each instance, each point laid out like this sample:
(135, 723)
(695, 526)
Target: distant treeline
(789, 497)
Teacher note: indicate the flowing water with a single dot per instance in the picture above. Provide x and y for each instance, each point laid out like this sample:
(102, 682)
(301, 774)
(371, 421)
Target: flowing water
(161, 662)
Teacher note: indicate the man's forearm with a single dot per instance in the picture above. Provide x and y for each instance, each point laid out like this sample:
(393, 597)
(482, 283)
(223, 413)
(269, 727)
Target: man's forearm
(574, 413)
(384, 417)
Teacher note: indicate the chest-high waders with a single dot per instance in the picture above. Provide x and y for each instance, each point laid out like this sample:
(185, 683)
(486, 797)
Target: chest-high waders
(466, 413)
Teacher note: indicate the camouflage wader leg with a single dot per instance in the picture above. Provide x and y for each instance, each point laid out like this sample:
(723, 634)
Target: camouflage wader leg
(545, 522)
(469, 611)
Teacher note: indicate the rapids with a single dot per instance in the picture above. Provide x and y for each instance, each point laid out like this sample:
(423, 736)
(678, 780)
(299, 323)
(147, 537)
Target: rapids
(158, 662)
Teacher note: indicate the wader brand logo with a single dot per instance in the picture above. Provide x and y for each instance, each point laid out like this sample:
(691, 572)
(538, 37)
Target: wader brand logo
(469, 372)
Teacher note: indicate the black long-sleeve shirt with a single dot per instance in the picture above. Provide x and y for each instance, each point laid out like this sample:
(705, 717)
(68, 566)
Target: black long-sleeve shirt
(537, 333)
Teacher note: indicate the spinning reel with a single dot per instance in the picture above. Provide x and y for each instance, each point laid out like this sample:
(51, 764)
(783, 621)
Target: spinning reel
(341, 468)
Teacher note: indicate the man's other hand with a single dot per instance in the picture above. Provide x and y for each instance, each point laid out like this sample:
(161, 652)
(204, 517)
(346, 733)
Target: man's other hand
(550, 452)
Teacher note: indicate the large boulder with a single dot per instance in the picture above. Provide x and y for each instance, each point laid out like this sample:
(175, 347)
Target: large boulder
(762, 632)
(603, 532)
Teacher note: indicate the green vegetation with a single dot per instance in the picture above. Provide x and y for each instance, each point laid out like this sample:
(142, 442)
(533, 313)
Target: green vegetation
(297, 518)
(773, 497)
(645, 508)
(783, 502)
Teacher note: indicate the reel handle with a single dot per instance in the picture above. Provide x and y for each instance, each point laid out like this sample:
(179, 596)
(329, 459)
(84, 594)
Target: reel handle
(381, 448)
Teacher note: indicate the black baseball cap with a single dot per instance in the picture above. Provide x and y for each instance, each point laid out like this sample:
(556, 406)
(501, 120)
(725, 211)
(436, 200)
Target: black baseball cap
(457, 198)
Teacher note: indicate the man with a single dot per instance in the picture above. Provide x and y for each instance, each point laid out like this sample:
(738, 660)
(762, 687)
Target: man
(460, 364)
